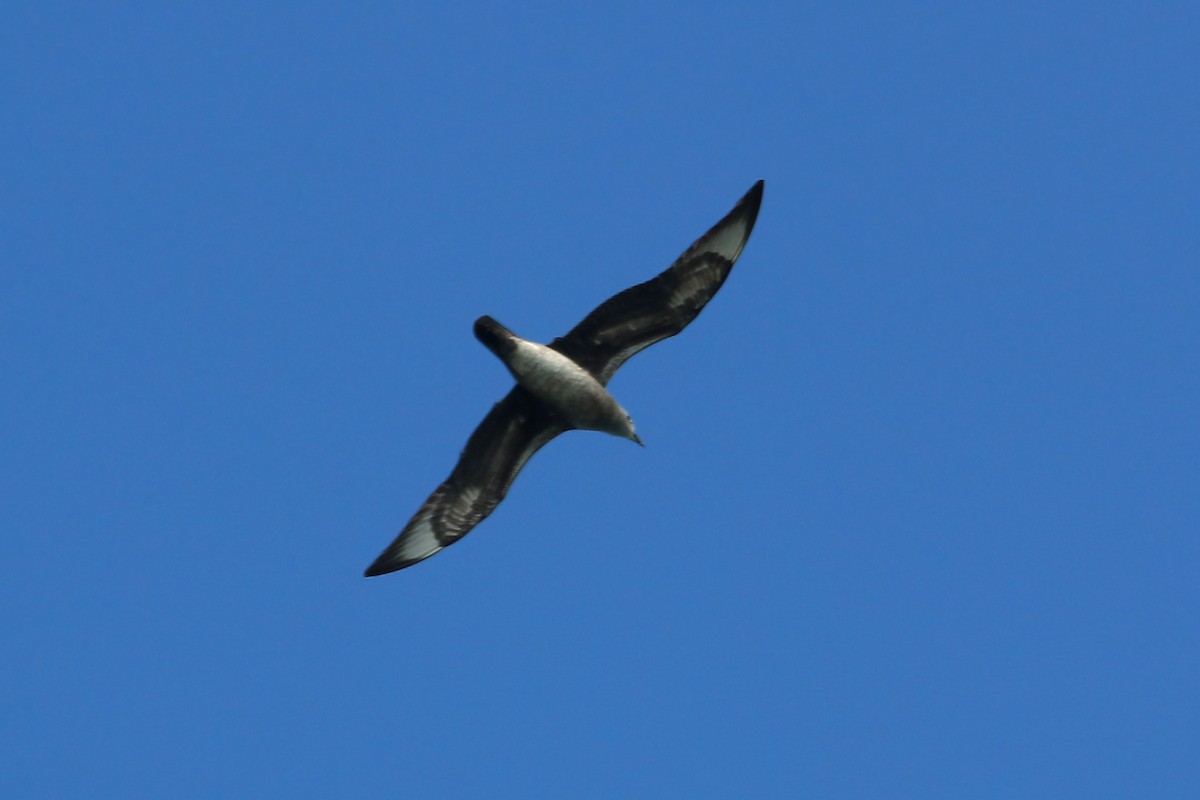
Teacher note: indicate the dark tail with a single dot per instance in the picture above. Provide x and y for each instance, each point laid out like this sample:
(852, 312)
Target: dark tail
(497, 338)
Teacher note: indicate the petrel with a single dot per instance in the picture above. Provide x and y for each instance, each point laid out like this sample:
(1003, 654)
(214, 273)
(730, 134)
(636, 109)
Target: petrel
(561, 387)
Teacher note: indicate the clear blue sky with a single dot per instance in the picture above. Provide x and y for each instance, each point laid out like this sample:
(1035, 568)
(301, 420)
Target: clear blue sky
(918, 511)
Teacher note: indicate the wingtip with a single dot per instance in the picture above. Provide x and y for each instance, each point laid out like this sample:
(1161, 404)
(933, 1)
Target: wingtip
(752, 199)
(748, 208)
(390, 561)
(387, 563)
(375, 569)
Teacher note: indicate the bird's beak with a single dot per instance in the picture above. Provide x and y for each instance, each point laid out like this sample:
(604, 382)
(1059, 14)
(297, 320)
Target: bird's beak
(638, 439)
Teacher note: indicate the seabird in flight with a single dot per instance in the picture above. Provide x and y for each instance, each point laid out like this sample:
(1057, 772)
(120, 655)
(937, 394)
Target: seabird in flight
(560, 387)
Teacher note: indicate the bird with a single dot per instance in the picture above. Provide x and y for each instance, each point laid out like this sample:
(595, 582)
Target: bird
(562, 386)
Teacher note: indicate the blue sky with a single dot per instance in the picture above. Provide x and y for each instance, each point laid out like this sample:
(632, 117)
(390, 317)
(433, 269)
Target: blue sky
(918, 511)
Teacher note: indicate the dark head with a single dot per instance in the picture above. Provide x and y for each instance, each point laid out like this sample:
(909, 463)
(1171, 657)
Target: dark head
(625, 429)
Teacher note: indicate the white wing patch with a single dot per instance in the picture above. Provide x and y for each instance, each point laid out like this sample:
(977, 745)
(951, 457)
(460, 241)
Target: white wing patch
(729, 240)
(420, 541)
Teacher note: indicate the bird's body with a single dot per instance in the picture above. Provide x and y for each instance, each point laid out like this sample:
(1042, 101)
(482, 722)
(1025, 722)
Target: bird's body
(567, 389)
(562, 386)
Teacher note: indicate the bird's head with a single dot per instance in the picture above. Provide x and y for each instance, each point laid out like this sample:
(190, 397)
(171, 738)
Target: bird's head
(629, 433)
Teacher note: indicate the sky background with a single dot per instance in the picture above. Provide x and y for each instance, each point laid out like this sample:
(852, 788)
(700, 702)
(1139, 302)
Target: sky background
(918, 511)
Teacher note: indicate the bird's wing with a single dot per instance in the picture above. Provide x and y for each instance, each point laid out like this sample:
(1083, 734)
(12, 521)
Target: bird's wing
(661, 307)
(511, 432)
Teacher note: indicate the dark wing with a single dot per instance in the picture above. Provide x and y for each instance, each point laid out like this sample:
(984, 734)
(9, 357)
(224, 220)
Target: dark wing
(661, 307)
(511, 432)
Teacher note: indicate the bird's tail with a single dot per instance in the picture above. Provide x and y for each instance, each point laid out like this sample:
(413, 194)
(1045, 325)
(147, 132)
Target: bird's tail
(497, 338)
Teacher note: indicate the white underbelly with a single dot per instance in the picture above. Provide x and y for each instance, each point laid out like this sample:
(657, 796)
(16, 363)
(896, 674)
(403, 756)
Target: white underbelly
(563, 385)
